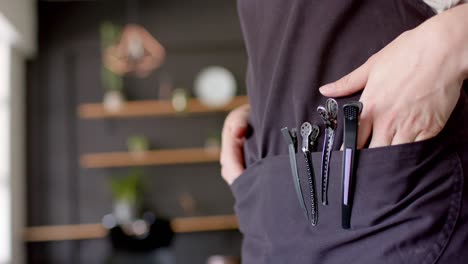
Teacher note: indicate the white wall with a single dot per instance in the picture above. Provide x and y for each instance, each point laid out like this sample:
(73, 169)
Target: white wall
(22, 16)
(17, 44)
(5, 166)
(17, 154)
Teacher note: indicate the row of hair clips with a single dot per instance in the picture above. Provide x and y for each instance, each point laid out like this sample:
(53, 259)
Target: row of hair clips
(310, 134)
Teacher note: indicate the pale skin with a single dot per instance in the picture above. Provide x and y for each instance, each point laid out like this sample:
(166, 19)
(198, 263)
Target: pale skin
(410, 88)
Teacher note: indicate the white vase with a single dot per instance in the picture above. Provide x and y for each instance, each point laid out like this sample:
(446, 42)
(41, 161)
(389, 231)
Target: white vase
(124, 211)
(113, 101)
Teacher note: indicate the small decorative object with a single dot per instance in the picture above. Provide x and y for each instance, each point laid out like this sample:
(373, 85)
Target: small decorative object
(179, 99)
(215, 86)
(217, 259)
(113, 101)
(124, 211)
(138, 145)
(126, 192)
(137, 52)
(145, 240)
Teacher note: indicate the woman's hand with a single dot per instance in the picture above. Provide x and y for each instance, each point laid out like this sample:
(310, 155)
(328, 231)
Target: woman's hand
(234, 130)
(413, 84)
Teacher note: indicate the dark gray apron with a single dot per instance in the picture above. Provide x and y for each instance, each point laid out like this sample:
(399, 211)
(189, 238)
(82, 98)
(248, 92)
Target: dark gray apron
(410, 203)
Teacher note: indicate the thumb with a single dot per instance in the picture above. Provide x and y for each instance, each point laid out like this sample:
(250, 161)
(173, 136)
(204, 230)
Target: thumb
(238, 121)
(240, 130)
(349, 84)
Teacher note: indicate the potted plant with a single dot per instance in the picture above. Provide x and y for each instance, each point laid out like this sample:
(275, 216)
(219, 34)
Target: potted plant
(126, 191)
(138, 145)
(112, 81)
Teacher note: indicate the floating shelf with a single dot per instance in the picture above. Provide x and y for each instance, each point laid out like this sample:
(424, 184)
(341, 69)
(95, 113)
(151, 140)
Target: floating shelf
(204, 223)
(64, 232)
(154, 157)
(153, 108)
(96, 231)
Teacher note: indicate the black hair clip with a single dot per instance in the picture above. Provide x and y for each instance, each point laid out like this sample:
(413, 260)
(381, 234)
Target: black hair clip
(291, 139)
(309, 135)
(329, 114)
(351, 122)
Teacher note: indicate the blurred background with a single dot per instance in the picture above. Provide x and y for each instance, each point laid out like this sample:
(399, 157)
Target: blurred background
(110, 119)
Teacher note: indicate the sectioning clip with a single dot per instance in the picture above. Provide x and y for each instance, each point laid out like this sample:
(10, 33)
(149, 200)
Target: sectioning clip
(351, 121)
(329, 113)
(309, 135)
(291, 139)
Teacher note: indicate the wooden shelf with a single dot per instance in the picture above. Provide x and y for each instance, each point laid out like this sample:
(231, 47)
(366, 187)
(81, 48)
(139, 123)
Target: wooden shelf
(64, 232)
(154, 157)
(153, 108)
(204, 223)
(97, 231)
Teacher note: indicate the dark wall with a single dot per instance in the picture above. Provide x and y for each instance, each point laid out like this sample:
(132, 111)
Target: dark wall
(66, 73)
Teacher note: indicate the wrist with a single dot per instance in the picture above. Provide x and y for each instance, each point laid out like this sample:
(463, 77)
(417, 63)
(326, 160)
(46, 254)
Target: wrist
(457, 26)
(453, 28)
(463, 32)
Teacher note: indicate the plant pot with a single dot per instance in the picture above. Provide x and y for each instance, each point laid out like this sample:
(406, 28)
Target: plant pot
(124, 211)
(113, 101)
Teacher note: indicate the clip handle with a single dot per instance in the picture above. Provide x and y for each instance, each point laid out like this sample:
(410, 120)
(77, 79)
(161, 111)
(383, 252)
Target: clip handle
(291, 139)
(351, 122)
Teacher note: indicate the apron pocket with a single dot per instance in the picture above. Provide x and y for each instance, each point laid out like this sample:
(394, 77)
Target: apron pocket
(406, 203)
(407, 199)
(246, 191)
